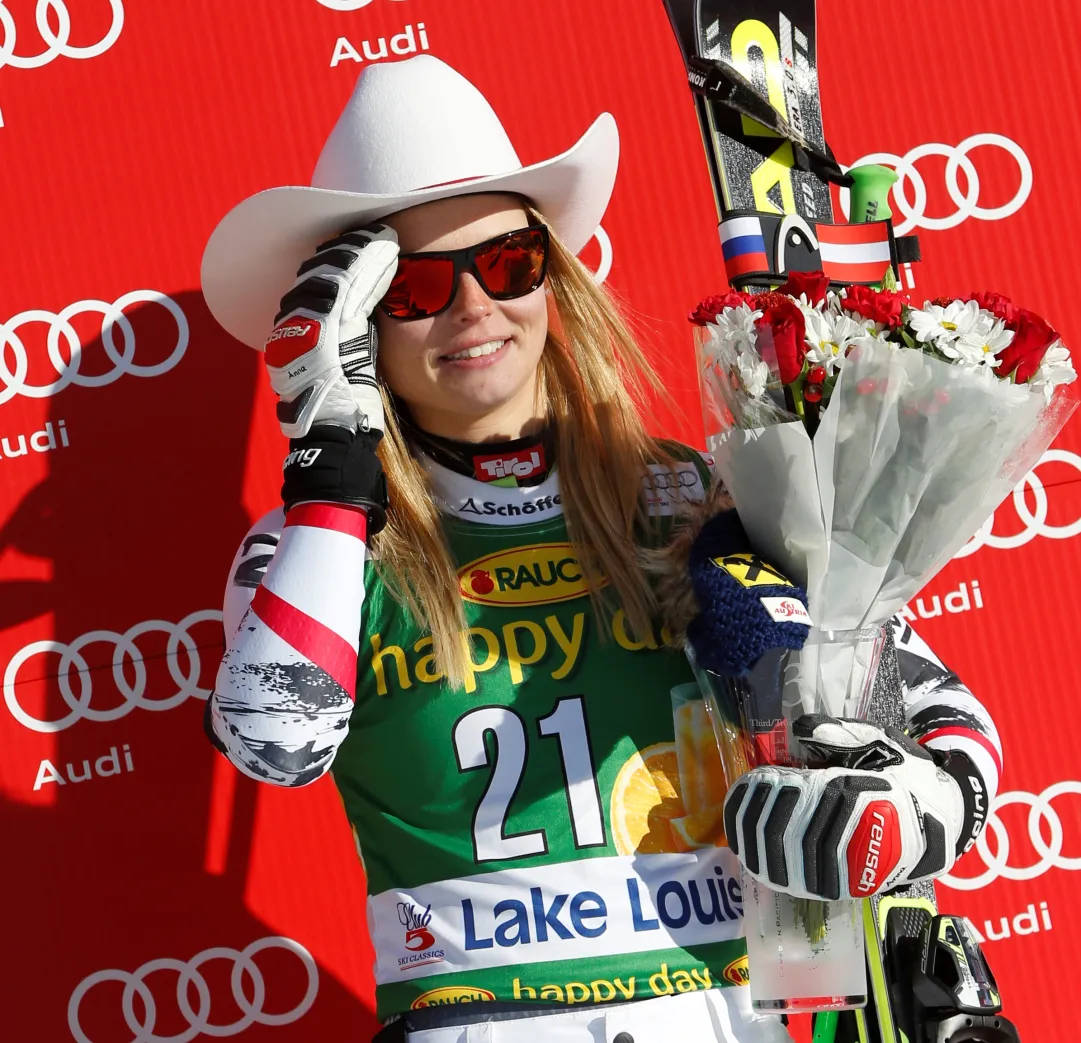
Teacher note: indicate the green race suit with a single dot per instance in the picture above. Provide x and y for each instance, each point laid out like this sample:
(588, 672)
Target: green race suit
(517, 834)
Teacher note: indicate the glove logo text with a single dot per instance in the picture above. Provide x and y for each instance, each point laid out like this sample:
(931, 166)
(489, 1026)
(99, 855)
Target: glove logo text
(289, 340)
(872, 852)
(301, 457)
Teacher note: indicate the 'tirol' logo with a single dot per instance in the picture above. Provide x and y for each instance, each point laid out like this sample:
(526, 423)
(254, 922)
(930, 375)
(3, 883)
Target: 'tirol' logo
(540, 574)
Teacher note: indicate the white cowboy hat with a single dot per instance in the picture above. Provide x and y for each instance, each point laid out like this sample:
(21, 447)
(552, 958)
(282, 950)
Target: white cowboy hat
(413, 131)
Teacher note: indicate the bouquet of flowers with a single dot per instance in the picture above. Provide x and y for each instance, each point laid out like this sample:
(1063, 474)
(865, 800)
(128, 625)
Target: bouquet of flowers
(863, 440)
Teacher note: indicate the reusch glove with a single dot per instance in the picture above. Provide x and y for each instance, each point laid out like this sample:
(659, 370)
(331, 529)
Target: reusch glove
(321, 353)
(882, 814)
(333, 465)
(746, 606)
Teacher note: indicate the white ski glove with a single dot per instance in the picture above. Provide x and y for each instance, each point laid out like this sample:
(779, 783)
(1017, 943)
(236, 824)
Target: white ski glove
(883, 816)
(321, 353)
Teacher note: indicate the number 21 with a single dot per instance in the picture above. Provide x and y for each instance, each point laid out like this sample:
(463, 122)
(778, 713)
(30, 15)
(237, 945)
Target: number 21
(567, 724)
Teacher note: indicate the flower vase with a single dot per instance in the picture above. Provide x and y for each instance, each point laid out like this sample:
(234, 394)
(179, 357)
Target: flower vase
(804, 955)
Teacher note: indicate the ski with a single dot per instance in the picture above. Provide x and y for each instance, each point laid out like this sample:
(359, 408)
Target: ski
(752, 66)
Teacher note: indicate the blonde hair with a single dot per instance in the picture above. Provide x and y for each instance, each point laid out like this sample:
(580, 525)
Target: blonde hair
(593, 376)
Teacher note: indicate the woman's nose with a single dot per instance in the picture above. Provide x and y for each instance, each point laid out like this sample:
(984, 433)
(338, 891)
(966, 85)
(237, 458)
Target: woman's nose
(470, 302)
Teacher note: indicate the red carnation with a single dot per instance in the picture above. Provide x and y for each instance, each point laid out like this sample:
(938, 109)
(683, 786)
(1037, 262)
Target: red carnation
(1032, 337)
(876, 305)
(998, 305)
(814, 284)
(785, 324)
(710, 307)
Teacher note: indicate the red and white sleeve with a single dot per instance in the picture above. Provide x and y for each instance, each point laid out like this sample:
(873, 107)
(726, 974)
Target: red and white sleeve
(286, 685)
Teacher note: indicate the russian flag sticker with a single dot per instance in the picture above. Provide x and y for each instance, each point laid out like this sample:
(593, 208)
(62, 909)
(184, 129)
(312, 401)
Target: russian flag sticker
(743, 246)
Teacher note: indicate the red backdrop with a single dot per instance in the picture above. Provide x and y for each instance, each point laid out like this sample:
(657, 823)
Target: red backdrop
(137, 443)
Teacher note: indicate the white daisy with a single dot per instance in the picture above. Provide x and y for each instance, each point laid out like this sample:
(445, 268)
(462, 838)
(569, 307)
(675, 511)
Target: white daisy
(735, 326)
(753, 373)
(938, 325)
(828, 335)
(981, 346)
(1056, 368)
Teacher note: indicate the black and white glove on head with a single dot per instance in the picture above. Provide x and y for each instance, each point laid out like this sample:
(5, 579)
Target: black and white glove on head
(882, 813)
(321, 353)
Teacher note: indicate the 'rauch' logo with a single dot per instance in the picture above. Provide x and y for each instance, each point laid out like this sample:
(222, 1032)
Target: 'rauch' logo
(446, 995)
(536, 575)
(737, 972)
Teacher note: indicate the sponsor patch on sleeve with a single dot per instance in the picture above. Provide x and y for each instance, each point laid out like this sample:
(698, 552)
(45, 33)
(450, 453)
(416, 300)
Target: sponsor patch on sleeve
(786, 610)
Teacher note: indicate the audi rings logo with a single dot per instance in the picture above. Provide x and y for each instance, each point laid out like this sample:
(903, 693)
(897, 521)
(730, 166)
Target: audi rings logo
(14, 383)
(997, 864)
(188, 977)
(967, 201)
(1035, 521)
(346, 5)
(605, 265)
(56, 44)
(124, 652)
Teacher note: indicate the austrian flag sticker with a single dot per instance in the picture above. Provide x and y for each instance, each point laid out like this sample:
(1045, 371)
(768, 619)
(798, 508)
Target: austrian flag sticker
(291, 339)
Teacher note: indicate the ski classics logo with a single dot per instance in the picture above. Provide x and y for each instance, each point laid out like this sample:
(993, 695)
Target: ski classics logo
(1048, 846)
(541, 574)
(14, 382)
(966, 201)
(419, 940)
(246, 981)
(127, 660)
(448, 995)
(56, 44)
(1035, 521)
(417, 936)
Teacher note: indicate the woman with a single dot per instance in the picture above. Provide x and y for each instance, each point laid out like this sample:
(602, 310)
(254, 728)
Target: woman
(485, 671)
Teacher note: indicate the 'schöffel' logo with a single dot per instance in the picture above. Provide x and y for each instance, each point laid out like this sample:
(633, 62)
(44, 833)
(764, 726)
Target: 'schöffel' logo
(448, 995)
(966, 202)
(540, 574)
(14, 382)
(191, 984)
(291, 339)
(56, 44)
(181, 658)
(738, 971)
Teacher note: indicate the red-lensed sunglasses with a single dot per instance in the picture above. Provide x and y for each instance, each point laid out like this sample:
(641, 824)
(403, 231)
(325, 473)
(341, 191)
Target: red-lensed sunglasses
(506, 266)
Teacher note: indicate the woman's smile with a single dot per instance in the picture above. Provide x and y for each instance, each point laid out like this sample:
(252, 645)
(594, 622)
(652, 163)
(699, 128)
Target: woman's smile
(476, 355)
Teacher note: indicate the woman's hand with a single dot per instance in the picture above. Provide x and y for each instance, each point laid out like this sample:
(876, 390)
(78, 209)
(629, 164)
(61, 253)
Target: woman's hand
(321, 353)
(882, 813)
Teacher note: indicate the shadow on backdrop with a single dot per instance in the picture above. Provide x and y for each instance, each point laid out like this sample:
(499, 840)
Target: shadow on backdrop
(139, 518)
